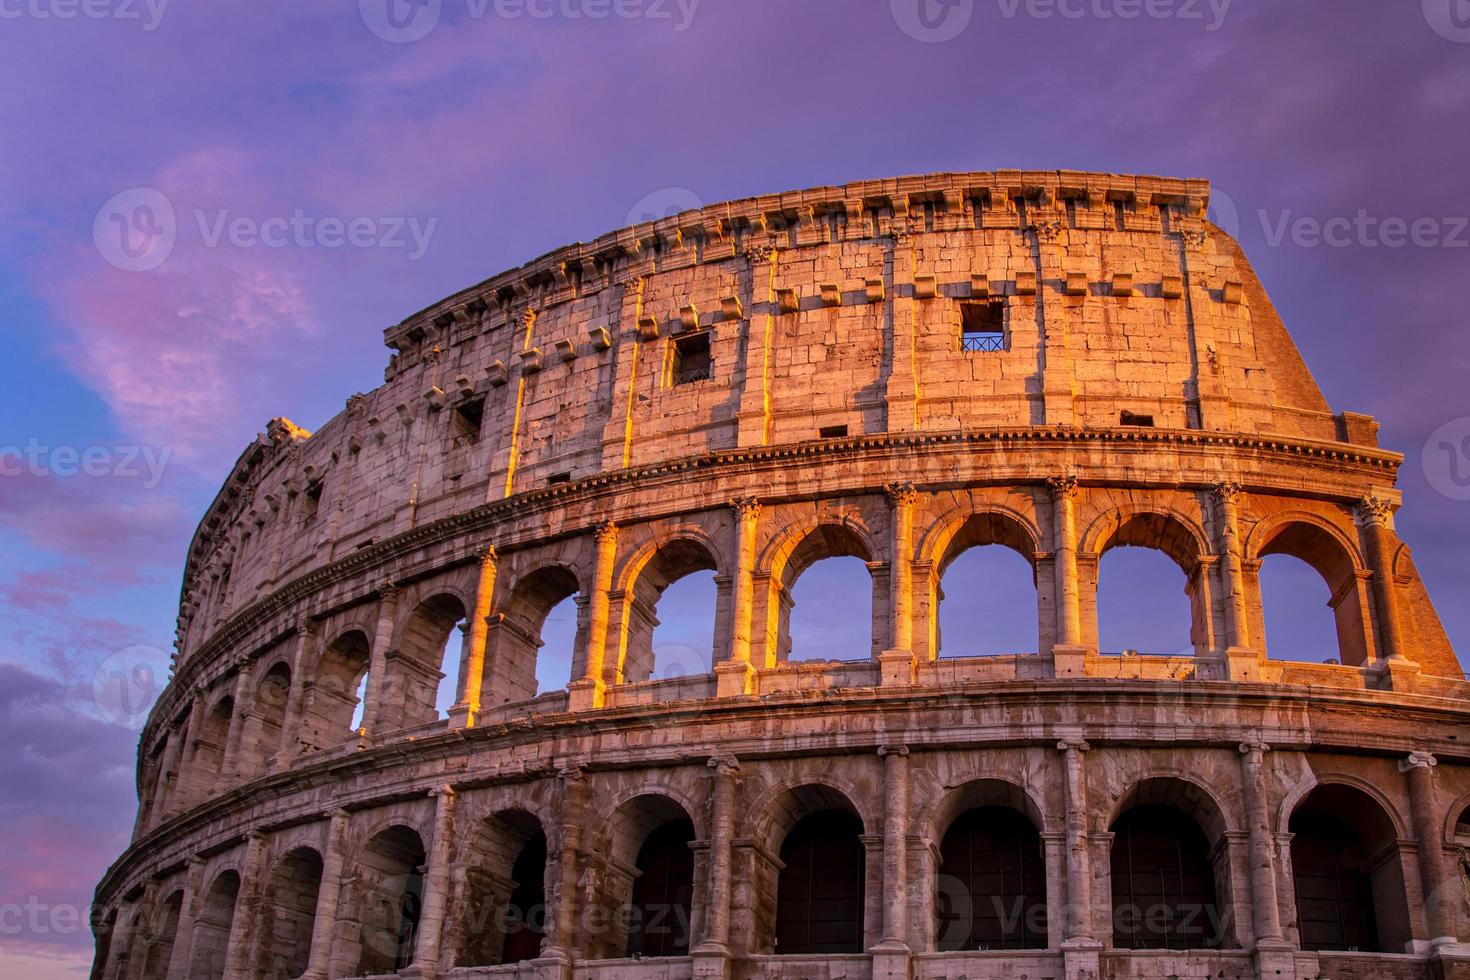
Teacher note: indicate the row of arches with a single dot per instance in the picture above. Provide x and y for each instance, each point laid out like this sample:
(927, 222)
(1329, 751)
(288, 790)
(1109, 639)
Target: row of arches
(1170, 885)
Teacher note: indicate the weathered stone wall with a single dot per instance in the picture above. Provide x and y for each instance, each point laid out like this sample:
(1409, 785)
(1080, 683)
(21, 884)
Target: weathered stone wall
(535, 440)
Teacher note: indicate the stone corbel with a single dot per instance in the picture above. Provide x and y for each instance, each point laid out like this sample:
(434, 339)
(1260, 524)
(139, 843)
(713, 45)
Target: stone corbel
(647, 328)
(1122, 284)
(925, 287)
(601, 339)
(497, 373)
(831, 294)
(531, 360)
(1172, 287)
(566, 349)
(1076, 284)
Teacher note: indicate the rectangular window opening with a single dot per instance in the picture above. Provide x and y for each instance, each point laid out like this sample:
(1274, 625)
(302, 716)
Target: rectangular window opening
(1139, 421)
(558, 478)
(983, 327)
(468, 418)
(833, 432)
(692, 360)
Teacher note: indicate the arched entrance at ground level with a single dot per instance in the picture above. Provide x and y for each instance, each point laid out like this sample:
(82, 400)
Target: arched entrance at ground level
(288, 915)
(1347, 874)
(504, 914)
(388, 896)
(1163, 882)
(819, 895)
(211, 942)
(645, 872)
(162, 936)
(991, 882)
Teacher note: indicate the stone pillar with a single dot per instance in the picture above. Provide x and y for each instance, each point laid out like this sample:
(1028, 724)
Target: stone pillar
(427, 954)
(736, 676)
(891, 955)
(1375, 517)
(466, 710)
(1079, 928)
(324, 928)
(242, 932)
(1265, 909)
(231, 769)
(375, 710)
(1069, 656)
(712, 955)
(1440, 882)
(588, 692)
(1232, 575)
(897, 662)
(304, 660)
(178, 961)
(173, 751)
(562, 943)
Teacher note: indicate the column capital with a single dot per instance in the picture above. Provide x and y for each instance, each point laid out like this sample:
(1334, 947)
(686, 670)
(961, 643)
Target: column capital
(306, 627)
(571, 772)
(746, 508)
(388, 591)
(1065, 487)
(901, 751)
(1250, 747)
(445, 791)
(1418, 760)
(901, 493)
(1374, 511)
(1073, 744)
(1227, 493)
(723, 765)
(486, 555)
(605, 531)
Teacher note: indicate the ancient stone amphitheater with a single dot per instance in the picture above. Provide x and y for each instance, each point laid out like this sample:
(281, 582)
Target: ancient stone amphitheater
(901, 370)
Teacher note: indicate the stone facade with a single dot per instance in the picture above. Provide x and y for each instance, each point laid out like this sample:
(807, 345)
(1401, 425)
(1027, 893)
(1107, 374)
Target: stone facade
(1058, 363)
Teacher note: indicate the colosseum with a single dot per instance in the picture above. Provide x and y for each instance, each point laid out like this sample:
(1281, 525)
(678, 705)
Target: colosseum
(1056, 363)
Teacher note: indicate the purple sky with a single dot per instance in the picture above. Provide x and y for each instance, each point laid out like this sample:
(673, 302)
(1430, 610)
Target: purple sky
(515, 134)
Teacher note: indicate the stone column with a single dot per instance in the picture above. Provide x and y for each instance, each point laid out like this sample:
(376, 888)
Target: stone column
(588, 692)
(1227, 526)
(375, 710)
(1079, 858)
(1440, 883)
(247, 900)
(1265, 908)
(1375, 517)
(735, 676)
(178, 961)
(427, 953)
(1069, 656)
(303, 661)
(324, 928)
(466, 710)
(897, 662)
(712, 955)
(562, 943)
(230, 770)
(170, 763)
(891, 955)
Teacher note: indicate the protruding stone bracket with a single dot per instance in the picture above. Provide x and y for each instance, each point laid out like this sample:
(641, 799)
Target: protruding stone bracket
(601, 339)
(497, 373)
(1172, 287)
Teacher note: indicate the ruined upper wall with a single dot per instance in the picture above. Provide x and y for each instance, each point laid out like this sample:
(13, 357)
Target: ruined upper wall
(831, 311)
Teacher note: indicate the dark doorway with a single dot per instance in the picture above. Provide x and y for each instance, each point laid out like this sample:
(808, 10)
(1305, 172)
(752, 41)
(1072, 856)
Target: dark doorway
(663, 893)
(992, 892)
(1163, 885)
(819, 899)
(1334, 897)
(526, 910)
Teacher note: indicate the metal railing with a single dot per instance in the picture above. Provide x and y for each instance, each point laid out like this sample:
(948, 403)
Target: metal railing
(983, 343)
(686, 376)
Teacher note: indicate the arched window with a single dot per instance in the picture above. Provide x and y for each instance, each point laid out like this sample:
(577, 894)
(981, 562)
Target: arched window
(663, 892)
(209, 752)
(822, 597)
(1287, 592)
(271, 696)
(283, 947)
(1347, 874)
(819, 895)
(504, 913)
(426, 663)
(163, 935)
(1148, 596)
(992, 882)
(338, 692)
(985, 590)
(388, 895)
(670, 614)
(1163, 884)
(534, 637)
(212, 928)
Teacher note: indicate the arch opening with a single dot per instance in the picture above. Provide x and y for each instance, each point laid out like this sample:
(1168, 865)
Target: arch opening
(1280, 582)
(985, 590)
(288, 916)
(669, 615)
(534, 637)
(337, 695)
(163, 935)
(426, 665)
(505, 911)
(1134, 579)
(820, 888)
(211, 941)
(271, 696)
(646, 872)
(388, 895)
(991, 882)
(1347, 873)
(209, 750)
